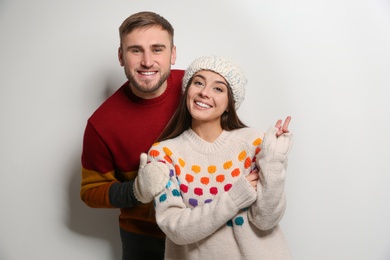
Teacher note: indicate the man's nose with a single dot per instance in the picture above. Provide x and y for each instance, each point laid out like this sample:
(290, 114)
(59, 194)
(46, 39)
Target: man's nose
(147, 59)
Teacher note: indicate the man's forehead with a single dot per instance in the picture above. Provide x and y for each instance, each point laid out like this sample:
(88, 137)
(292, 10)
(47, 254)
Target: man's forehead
(147, 37)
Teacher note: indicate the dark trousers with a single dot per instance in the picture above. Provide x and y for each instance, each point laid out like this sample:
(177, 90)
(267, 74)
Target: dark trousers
(140, 247)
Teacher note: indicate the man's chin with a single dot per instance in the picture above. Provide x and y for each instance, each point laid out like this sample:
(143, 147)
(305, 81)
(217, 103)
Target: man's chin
(147, 88)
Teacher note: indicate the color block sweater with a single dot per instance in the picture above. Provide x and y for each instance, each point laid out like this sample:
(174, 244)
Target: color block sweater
(122, 128)
(209, 210)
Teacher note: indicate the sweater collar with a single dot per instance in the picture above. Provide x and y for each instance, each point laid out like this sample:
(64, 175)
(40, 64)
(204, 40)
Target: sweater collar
(203, 146)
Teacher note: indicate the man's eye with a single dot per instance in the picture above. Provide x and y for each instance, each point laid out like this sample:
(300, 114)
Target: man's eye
(135, 51)
(158, 50)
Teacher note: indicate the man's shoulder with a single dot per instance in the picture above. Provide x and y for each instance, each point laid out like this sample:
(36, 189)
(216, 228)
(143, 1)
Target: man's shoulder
(177, 75)
(177, 72)
(110, 104)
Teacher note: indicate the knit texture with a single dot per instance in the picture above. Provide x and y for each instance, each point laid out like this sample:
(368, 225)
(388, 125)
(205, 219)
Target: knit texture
(151, 179)
(208, 209)
(116, 134)
(227, 69)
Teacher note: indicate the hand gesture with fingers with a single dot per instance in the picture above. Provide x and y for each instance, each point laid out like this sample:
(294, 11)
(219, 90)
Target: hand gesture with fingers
(282, 128)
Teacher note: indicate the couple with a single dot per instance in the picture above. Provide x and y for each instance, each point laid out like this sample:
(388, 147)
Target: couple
(217, 185)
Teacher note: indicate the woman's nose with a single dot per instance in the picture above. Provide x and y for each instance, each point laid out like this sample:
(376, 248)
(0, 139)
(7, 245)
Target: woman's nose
(205, 91)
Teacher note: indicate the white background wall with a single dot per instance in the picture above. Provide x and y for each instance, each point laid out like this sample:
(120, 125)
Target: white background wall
(326, 63)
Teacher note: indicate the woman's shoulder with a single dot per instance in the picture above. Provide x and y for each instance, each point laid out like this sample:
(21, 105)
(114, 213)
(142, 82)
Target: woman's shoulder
(173, 142)
(248, 133)
(246, 139)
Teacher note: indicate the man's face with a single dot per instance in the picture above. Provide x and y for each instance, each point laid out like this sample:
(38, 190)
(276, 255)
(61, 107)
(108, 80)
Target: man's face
(147, 55)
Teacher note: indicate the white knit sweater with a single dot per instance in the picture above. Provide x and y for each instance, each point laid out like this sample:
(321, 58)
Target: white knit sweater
(209, 210)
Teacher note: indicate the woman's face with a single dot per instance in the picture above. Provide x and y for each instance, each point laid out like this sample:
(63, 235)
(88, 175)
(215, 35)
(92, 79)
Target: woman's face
(207, 97)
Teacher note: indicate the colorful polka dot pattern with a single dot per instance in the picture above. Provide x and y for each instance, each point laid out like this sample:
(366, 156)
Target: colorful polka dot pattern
(200, 184)
(238, 221)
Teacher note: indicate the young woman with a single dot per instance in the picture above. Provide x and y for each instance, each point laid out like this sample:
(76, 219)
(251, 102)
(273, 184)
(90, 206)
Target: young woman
(225, 195)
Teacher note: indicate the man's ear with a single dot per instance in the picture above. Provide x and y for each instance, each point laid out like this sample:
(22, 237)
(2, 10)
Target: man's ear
(173, 56)
(120, 57)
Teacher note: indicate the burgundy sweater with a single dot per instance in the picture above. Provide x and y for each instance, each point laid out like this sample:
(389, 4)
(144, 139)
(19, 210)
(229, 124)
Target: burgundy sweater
(116, 134)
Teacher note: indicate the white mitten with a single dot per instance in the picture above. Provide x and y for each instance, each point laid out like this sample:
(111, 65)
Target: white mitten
(151, 180)
(275, 147)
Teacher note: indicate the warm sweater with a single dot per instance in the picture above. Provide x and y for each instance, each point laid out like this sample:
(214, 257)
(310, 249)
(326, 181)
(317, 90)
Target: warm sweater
(209, 210)
(116, 134)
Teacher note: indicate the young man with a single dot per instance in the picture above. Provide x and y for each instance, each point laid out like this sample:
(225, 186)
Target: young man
(126, 125)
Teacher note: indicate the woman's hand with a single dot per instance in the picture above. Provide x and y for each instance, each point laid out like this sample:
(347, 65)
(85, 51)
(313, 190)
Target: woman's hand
(253, 178)
(282, 128)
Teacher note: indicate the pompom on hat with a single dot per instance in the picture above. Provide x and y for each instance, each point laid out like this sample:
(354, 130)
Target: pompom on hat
(230, 71)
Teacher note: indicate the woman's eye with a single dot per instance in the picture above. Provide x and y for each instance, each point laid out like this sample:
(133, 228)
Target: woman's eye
(198, 83)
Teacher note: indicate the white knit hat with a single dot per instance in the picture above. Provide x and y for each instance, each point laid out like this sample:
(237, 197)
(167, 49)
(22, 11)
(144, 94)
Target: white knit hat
(230, 71)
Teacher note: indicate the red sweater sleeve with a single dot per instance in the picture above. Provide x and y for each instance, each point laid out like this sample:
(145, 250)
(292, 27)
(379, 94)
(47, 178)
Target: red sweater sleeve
(97, 170)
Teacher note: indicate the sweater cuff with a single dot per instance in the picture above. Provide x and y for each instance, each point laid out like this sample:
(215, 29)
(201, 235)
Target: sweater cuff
(122, 195)
(242, 193)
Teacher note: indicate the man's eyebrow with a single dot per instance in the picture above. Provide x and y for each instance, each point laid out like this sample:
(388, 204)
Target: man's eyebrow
(159, 45)
(156, 45)
(134, 47)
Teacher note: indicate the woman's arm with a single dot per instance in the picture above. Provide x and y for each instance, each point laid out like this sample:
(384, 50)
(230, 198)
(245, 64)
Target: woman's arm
(270, 206)
(185, 225)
